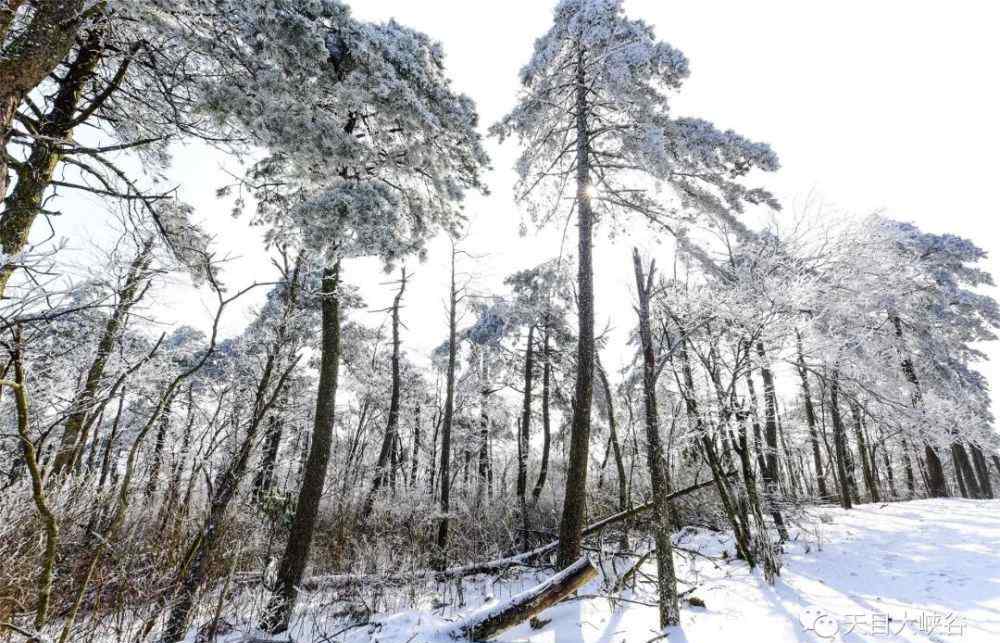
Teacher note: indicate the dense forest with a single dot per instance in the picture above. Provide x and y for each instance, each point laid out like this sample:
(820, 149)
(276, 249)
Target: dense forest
(168, 482)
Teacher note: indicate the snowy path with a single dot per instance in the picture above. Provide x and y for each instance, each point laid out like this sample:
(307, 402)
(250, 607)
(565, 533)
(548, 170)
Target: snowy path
(926, 570)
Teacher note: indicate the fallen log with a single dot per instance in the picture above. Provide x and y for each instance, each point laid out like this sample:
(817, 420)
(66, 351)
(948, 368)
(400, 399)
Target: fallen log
(635, 511)
(491, 620)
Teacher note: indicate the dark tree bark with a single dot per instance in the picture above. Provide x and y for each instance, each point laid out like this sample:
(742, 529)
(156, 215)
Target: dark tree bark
(414, 457)
(810, 412)
(867, 466)
(959, 480)
(524, 434)
(574, 502)
(911, 484)
(432, 460)
(440, 558)
(296, 555)
(887, 462)
(758, 442)
(963, 465)
(543, 467)
(839, 440)
(483, 445)
(655, 459)
(771, 473)
(936, 485)
(982, 471)
(392, 425)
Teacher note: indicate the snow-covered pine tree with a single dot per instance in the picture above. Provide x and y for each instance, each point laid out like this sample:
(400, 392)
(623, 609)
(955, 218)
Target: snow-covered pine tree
(594, 121)
(369, 153)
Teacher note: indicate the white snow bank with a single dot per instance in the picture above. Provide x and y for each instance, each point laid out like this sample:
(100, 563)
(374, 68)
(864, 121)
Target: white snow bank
(927, 570)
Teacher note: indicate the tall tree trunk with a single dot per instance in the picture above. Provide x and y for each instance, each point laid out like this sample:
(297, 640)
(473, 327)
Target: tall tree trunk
(543, 467)
(771, 473)
(440, 558)
(296, 555)
(392, 426)
(839, 440)
(574, 502)
(867, 466)
(936, 485)
(810, 412)
(666, 578)
(524, 434)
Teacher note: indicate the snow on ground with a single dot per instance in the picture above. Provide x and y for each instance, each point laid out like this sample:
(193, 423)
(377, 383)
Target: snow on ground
(926, 570)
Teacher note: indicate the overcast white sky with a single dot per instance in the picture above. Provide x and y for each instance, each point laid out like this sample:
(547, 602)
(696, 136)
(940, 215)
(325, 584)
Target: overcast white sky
(889, 105)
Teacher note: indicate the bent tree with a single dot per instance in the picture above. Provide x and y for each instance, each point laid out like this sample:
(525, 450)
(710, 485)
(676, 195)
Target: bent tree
(594, 119)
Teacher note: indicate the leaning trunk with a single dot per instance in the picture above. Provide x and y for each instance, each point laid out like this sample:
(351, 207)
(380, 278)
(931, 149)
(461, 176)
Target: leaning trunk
(296, 555)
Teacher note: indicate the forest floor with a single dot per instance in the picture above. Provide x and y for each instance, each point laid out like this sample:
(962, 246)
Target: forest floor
(925, 570)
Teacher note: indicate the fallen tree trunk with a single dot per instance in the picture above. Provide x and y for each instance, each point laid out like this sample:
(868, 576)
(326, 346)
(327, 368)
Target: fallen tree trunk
(490, 621)
(635, 511)
(343, 580)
